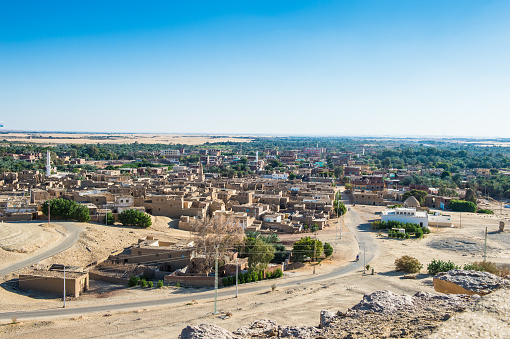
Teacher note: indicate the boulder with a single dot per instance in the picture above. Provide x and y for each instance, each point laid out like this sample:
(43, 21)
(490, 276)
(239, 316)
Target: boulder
(206, 331)
(467, 282)
(384, 302)
(501, 226)
(299, 332)
(326, 318)
(259, 327)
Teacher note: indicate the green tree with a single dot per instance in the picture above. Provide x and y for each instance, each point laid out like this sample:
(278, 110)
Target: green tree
(110, 220)
(470, 196)
(292, 176)
(445, 175)
(340, 208)
(260, 255)
(66, 210)
(328, 250)
(305, 248)
(132, 217)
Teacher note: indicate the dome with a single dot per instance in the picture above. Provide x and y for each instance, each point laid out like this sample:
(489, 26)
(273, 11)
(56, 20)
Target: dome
(412, 202)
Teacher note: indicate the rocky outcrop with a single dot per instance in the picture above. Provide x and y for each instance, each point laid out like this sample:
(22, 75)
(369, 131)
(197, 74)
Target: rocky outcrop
(383, 302)
(384, 314)
(259, 327)
(488, 317)
(467, 282)
(206, 331)
(326, 318)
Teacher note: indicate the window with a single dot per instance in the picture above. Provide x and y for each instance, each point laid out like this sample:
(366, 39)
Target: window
(169, 255)
(182, 256)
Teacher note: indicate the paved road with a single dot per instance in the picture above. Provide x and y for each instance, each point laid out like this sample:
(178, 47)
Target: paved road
(353, 221)
(73, 233)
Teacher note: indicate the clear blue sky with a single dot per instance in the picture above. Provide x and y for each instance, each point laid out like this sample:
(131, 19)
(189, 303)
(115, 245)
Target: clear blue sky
(379, 67)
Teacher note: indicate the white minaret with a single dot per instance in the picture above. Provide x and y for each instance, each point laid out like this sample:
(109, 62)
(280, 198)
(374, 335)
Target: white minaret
(257, 156)
(48, 163)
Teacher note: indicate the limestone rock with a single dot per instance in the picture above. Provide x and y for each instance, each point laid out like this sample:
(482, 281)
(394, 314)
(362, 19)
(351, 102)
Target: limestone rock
(384, 302)
(467, 282)
(206, 331)
(299, 332)
(326, 318)
(258, 327)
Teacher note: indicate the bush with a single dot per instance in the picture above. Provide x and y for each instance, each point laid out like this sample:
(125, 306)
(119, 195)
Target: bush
(328, 250)
(133, 217)
(418, 234)
(160, 283)
(437, 266)
(408, 264)
(110, 220)
(133, 281)
(462, 206)
(488, 266)
(473, 267)
(484, 211)
(144, 283)
(150, 284)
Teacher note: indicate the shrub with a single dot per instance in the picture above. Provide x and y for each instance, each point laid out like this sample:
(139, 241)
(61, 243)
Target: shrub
(133, 281)
(484, 211)
(144, 283)
(278, 273)
(473, 267)
(328, 250)
(132, 217)
(150, 284)
(160, 283)
(177, 284)
(462, 206)
(488, 266)
(437, 266)
(419, 233)
(408, 264)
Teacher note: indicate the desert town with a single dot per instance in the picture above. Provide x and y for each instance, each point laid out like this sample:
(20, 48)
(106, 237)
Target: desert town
(102, 260)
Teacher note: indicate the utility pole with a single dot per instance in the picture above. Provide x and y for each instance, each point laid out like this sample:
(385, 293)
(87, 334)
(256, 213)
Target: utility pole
(337, 225)
(315, 250)
(364, 258)
(49, 210)
(237, 276)
(485, 247)
(216, 283)
(64, 286)
(460, 220)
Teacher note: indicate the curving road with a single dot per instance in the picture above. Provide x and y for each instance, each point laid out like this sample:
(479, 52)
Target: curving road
(73, 233)
(353, 222)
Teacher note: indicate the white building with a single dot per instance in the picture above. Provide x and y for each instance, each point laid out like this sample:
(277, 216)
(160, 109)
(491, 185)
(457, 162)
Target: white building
(410, 215)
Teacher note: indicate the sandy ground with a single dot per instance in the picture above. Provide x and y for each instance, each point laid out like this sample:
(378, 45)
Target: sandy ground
(292, 306)
(19, 241)
(116, 138)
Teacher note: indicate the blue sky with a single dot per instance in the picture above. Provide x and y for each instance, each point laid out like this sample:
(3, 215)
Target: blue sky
(377, 67)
